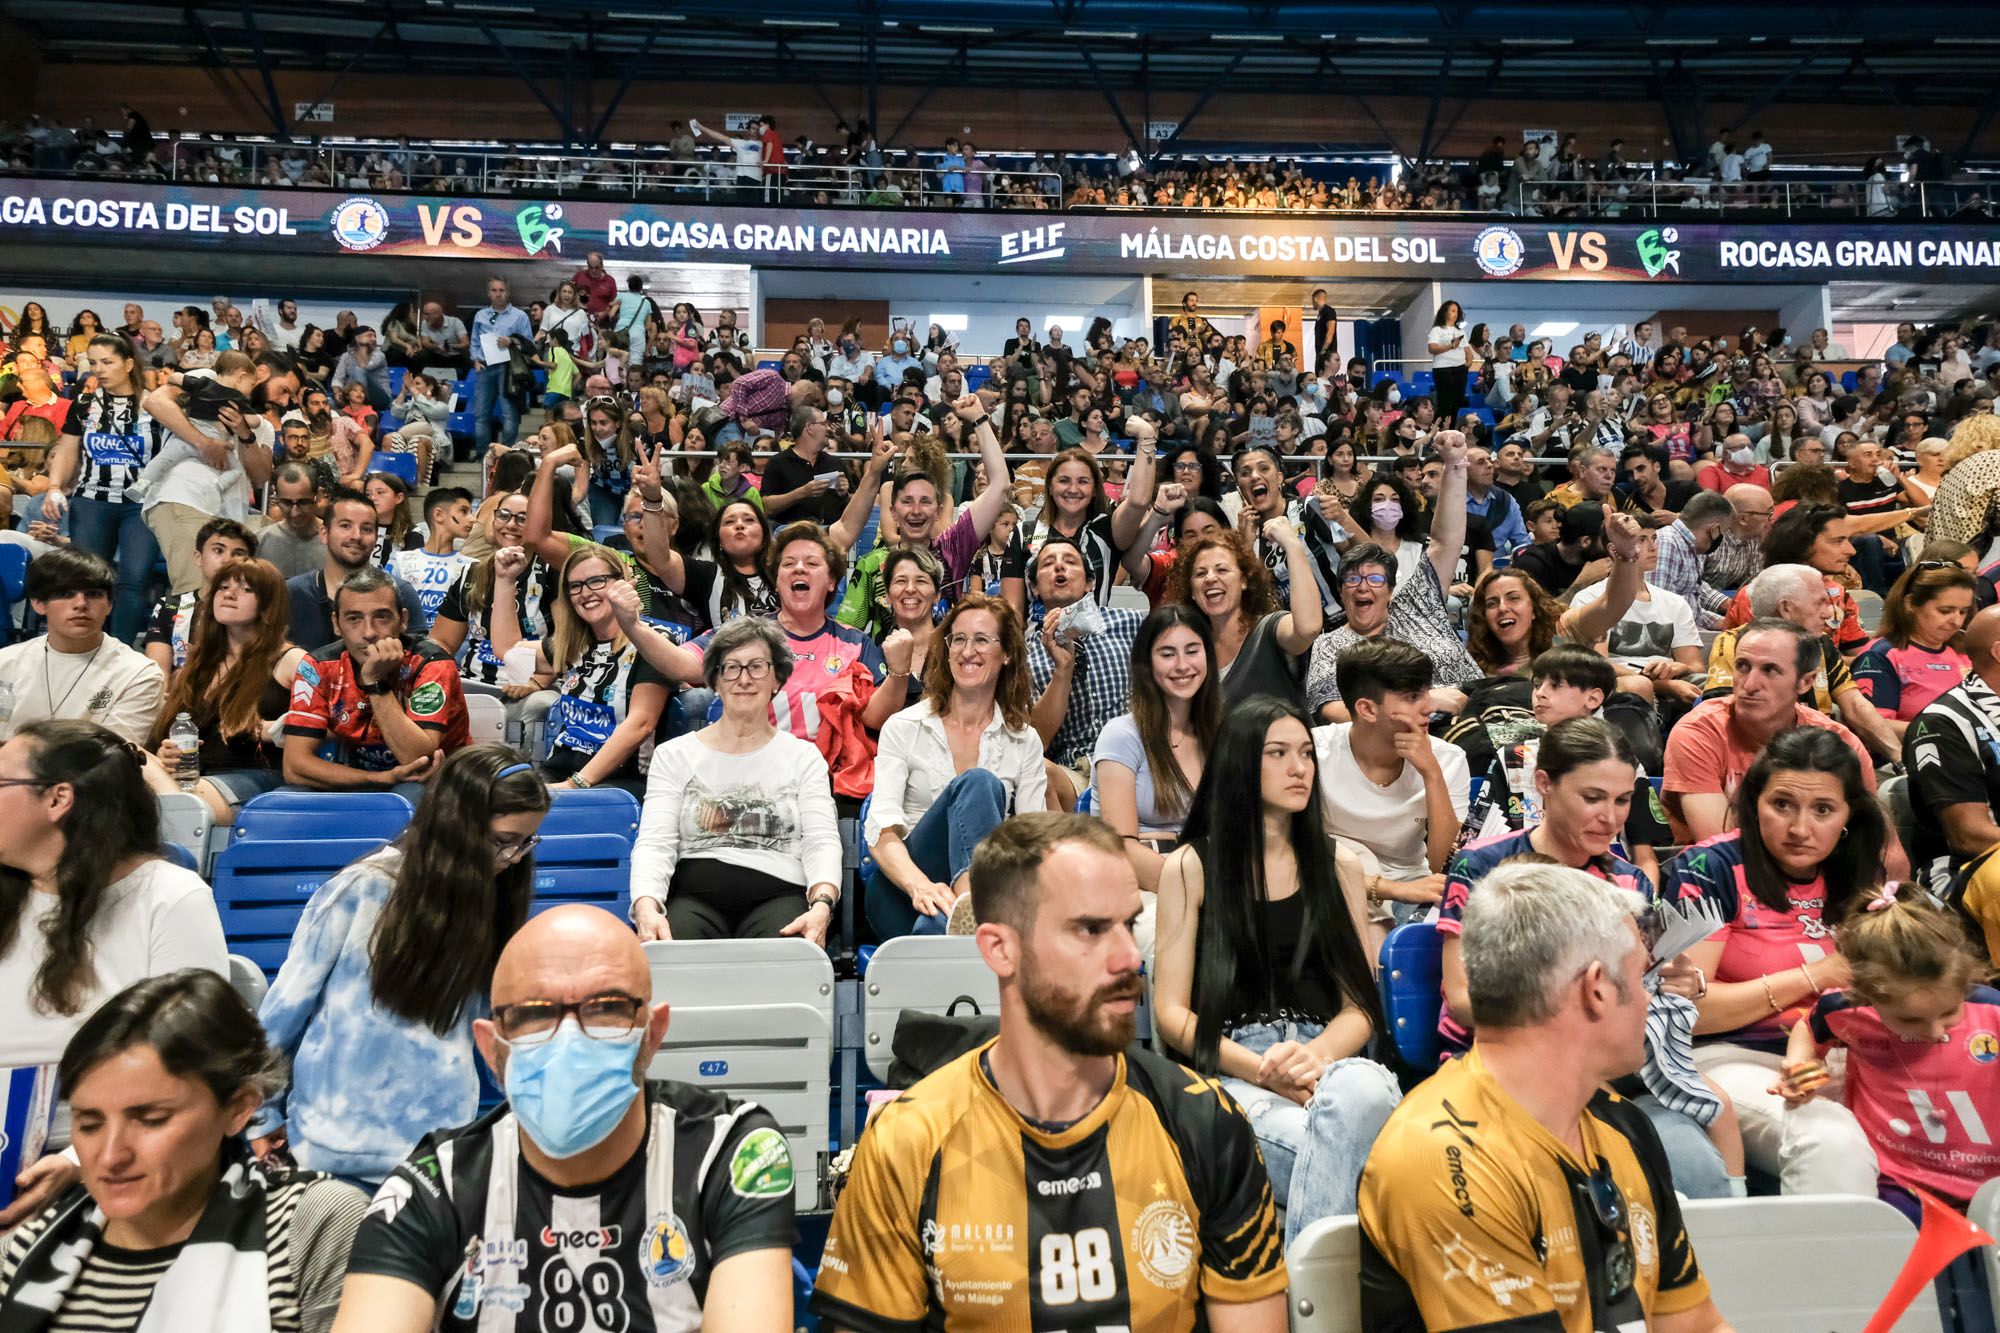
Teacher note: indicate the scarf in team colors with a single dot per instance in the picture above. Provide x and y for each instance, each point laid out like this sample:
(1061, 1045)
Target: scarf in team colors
(218, 1281)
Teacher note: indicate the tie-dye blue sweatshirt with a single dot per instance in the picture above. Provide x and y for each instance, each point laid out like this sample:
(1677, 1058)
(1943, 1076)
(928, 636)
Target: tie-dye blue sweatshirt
(366, 1084)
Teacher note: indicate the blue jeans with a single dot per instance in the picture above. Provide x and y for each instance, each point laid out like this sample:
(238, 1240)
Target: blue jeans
(1315, 1152)
(119, 533)
(970, 807)
(606, 505)
(1692, 1157)
(489, 390)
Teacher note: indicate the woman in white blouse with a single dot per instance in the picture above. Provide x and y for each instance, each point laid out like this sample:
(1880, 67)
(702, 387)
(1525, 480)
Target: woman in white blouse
(738, 839)
(950, 768)
(87, 904)
(1447, 348)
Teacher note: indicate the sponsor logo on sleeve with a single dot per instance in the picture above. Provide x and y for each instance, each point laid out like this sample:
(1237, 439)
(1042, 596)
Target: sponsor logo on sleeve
(1163, 1238)
(427, 700)
(761, 1167)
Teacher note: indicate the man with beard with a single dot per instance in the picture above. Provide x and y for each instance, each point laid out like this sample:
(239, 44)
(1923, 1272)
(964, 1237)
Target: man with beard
(1146, 1203)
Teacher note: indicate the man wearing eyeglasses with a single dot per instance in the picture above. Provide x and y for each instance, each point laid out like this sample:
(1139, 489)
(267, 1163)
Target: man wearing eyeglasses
(1510, 1189)
(594, 1198)
(292, 543)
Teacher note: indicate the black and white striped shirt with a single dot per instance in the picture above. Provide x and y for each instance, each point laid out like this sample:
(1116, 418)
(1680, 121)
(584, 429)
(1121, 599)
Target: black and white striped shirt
(309, 1223)
(118, 439)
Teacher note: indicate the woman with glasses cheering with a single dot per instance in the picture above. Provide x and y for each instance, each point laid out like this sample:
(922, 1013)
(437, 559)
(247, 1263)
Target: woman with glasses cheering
(739, 838)
(950, 768)
(610, 671)
(389, 966)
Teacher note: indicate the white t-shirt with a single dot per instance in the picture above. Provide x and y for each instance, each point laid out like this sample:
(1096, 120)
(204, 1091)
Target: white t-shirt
(1657, 623)
(1757, 157)
(1732, 167)
(770, 810)
(114, 686)
(1455, 357)
(1390, 820)
(158, 919)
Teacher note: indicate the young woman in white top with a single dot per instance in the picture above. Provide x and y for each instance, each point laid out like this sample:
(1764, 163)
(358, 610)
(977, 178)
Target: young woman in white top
(738, 839)
(950, 768)
(1149, 761)
(1447, 348)
(87, 904)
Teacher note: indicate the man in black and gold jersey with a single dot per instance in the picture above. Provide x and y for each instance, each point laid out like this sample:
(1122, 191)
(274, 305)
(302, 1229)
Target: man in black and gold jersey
(1052, 1179)
(1509, 1190)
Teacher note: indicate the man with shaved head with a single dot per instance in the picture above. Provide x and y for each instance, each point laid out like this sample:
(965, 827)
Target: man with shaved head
(593, 1198)
(1952, 752)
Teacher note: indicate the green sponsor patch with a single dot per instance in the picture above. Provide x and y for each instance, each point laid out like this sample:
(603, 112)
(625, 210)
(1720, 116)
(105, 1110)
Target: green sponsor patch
(762, 1166)
(427, 700)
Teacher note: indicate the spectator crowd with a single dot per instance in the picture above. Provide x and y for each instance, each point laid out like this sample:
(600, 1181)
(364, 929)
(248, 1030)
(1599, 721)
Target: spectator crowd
(1032, 623)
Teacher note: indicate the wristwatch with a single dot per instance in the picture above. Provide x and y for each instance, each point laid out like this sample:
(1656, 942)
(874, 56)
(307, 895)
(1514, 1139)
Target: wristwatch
(977, 422)
(831, 900)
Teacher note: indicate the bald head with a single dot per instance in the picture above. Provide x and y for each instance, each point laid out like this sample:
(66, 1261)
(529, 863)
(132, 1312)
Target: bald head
(571, 953)
(1980, 637)
(1747, 495)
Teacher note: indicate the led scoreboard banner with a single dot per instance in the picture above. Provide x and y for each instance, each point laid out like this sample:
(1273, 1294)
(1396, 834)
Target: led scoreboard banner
(1304, 245)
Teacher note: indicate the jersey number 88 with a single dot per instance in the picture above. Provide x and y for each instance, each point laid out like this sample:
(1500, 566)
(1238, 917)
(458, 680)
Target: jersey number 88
(1078, 1267)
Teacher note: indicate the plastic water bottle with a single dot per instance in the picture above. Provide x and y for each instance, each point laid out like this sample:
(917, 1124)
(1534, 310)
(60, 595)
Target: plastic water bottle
(6, 709)
(186, 738)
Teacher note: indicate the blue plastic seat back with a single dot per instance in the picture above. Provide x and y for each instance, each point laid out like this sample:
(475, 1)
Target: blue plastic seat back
(867, 866)
(299, 816)
(262, 887)
(584, 868)
(395, 464)
(596, 810)
(1413, 990)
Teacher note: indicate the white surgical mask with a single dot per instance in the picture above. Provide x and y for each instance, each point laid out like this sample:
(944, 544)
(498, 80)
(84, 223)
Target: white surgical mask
(1743, 457)
(834, 398)
(1395, 395)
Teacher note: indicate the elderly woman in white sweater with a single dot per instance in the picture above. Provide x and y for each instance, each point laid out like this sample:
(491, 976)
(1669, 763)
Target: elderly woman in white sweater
(738, 839)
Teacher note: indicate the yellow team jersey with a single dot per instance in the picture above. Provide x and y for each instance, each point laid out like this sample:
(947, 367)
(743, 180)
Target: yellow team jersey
(1474, 1216)
(958, 1213)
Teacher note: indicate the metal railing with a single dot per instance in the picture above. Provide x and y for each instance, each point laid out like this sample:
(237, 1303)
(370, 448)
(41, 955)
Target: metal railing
(421, 168)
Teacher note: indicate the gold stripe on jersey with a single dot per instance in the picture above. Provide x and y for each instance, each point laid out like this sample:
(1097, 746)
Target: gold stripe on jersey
(959, 1213)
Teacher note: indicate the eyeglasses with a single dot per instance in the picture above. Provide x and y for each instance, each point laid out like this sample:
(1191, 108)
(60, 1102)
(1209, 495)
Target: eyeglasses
(756, 670)
(978, 642)
(595, 583)
(510, 516)
(293, 506)
(509, 848)
(1607, 1204)
(604, 1017)
(24, 782)
(1377, 580)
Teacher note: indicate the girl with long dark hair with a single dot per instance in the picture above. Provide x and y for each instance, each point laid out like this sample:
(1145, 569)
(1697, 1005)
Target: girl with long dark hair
(389, 966)
(1149, 761)
(87, 903)
(1807, 845)
(1261, 975)
(236, 683)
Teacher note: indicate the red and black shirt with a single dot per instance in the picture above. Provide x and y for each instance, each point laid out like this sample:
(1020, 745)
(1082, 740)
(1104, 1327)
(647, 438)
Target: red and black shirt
(328, 702)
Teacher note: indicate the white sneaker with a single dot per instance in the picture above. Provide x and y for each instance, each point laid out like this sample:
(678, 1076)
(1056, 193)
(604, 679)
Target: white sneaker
(961, 921)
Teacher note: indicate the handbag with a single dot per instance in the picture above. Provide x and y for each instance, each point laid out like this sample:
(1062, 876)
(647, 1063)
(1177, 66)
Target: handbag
(925, 1043)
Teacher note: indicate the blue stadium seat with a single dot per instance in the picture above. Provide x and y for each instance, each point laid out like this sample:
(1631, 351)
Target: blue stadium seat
(396, 377)
(598, 810)
(388, 424)
(976, 375)
(1485, 415)
(1848, 379)
(262, 885)
(179, 855)
(591, 868)
(13, 586)
(400, 465)
(604, 532)
(1413, 991)
(301, 816)
(461, 423)
(1086, 801)
(769, 363)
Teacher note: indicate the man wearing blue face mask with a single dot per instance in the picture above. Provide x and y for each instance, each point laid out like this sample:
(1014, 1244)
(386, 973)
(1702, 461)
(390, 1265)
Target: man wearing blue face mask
(889, 370)
(587, 1200)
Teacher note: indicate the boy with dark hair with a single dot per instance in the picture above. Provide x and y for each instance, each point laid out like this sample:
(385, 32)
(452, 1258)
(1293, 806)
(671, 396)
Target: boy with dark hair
(433, 567)
(1384, 780)
(219, 541)
(76, 670)
(1571, 681)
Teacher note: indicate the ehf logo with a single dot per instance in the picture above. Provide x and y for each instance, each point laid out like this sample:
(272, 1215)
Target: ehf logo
(1499, 251)
(1033, 243)
(360, 223)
